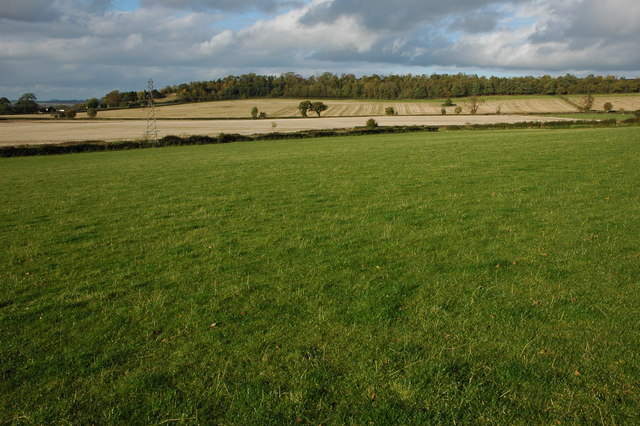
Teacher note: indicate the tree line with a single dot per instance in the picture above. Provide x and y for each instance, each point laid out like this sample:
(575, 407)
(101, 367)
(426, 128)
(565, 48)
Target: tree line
(348, 86)
(435, 86)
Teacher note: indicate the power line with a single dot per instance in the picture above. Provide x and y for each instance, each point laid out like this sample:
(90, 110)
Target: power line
(152, 129)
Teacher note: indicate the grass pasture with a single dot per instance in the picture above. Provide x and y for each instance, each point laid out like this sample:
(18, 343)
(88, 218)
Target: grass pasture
(469, 277)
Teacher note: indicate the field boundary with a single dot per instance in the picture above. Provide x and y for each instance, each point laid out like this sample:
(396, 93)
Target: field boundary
(172, 140)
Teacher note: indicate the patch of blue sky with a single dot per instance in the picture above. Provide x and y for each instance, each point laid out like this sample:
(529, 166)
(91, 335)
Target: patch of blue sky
(126, 5)
(515, 22)
(238, 21)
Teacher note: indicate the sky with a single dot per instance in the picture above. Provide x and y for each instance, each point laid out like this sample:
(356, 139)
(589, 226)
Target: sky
(78, 49)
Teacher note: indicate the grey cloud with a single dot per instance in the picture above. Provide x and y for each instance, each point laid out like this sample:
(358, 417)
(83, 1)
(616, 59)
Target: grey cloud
(85, 47)
(398, 15)
(479, 23)
(28, 10)
(590, 20)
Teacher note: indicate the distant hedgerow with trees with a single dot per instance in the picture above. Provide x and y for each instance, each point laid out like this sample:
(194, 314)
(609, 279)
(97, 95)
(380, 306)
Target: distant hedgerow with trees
(348, 86)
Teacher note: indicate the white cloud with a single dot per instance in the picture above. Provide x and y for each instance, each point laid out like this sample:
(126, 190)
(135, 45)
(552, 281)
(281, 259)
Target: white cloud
(82, 45)
(286, 33)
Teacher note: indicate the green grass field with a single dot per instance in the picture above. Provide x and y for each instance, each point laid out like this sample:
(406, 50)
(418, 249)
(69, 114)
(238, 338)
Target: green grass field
(468, 277)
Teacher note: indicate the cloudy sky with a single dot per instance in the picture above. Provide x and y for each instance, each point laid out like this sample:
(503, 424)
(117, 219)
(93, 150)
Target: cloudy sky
(85, 48)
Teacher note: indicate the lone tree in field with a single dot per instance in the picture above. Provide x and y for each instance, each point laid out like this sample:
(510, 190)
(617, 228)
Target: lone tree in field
(474, 104)
(26, 104)
(607, 106)
(586, 103)
(318, 107)
(305, 106)
(390, 110)
(254, 112)
(5, 106)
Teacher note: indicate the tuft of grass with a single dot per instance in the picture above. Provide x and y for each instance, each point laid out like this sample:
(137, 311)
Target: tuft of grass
(468, 277)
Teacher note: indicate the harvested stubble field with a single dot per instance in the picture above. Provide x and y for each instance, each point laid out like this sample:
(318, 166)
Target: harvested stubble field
(16, 132)
(278, 108)
(443, 278)
(619, 102)
(275, 108)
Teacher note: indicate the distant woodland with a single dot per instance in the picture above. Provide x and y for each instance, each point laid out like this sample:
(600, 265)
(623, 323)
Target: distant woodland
(348, 86)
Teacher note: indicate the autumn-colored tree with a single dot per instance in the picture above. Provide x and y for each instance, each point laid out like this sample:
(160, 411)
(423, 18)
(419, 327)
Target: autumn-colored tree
(586, 103)
(371, 124)
(112, 99)
(474, 104)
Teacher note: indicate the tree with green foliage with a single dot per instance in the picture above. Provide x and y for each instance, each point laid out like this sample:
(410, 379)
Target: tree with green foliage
(26, 104)
(254, 112)
(92, 112)
(458, 110)
(390, 110)
(318, 107)
(304, 107)
(5, 106)
(443, 111)
(93, 103)
(607, 106)
(371, 124)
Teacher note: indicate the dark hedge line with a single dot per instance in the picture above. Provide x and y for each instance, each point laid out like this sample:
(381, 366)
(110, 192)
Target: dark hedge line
(539, 125)
(93, 146)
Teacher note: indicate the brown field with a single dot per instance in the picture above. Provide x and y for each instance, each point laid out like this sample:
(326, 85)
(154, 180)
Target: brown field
(191, 119)
(280, 108)
(621, 102)
(18, 132)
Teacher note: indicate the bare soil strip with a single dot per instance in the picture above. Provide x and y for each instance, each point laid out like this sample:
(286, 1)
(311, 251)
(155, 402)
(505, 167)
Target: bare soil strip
(20, 132)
